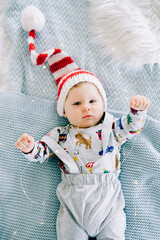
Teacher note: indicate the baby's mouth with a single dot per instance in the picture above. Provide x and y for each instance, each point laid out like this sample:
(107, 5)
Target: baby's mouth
(87, 116)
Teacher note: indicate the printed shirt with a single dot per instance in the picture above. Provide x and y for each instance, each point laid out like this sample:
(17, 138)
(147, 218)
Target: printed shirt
(86, 147)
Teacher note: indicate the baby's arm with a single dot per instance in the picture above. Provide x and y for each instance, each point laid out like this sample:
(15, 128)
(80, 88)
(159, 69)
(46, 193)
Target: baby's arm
(34, 151)
(128, 126)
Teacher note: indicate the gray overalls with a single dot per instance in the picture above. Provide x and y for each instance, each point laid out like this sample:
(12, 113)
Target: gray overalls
(90, 204)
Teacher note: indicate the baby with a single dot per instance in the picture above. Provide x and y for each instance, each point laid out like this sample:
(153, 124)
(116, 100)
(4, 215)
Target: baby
(90, 193)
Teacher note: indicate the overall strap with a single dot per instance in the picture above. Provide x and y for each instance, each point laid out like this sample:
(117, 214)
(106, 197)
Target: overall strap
(106, 130)
(62, 154)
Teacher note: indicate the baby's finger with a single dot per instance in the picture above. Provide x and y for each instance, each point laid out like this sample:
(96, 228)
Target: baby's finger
(25, 137)
(146, 103)
(139, 103)
(132, 103)
(28, 138)
(23, 142)
(136, 100)
(20, 145)
(143, 102)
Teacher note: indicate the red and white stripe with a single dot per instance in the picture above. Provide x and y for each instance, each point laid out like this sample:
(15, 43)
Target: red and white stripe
(59, 62)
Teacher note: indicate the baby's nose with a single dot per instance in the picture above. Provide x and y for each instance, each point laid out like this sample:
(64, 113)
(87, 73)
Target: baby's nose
(86, 107)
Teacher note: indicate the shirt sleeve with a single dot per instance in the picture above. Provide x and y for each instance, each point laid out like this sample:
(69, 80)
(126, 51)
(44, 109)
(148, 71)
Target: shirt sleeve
(40, 153)
(128, 126)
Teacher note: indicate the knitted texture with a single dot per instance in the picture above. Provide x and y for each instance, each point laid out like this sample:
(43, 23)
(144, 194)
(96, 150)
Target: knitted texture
(29, 204)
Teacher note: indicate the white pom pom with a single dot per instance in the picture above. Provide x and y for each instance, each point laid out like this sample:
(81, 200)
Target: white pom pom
(32, 19)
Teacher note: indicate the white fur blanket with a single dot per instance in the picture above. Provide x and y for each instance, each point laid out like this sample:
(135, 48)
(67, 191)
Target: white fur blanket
(128, 30)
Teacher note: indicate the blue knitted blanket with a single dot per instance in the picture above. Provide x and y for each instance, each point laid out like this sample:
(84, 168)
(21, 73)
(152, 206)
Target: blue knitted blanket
(29, 205)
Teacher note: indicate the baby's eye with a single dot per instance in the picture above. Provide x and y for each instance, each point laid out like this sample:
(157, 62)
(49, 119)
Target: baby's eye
(92, 101)
(76, 103)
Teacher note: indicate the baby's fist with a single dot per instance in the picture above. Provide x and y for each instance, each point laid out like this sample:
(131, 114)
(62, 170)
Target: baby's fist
(25, 143)
(139, 102)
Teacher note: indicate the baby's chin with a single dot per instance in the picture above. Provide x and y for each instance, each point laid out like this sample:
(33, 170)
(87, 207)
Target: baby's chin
(86, 124)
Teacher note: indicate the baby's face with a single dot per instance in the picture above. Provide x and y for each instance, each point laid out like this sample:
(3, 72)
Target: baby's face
(84, 106)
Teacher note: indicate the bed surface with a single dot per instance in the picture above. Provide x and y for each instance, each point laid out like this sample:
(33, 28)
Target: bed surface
(28, 104)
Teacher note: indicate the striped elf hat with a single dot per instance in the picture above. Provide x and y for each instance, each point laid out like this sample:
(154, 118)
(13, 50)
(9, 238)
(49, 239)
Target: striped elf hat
(62, 66)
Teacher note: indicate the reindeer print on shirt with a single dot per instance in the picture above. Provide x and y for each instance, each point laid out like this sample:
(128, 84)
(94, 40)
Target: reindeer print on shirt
(82, 140)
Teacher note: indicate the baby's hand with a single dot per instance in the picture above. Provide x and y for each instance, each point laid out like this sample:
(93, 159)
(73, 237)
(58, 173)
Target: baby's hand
(25, 143)
(139, 102)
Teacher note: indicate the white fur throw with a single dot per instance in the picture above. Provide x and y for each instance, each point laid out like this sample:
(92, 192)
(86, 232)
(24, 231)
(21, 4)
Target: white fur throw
(128, 30)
